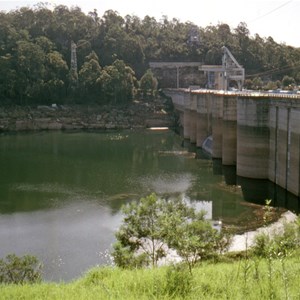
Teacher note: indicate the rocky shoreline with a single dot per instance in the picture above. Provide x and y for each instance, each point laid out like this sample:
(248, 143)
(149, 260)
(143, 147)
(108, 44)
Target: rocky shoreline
(246, 240)
(138, 114)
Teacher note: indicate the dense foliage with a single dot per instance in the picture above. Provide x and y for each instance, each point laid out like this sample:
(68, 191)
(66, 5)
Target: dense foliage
(154, 225)
(112, 51)
(20, 270)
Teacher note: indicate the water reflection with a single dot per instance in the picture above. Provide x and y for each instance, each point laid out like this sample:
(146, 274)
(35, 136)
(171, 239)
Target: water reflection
(68, 240)
(258, 190)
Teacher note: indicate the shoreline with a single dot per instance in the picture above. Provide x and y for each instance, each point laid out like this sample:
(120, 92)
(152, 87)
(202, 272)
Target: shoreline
(242, 242)
(135, 115)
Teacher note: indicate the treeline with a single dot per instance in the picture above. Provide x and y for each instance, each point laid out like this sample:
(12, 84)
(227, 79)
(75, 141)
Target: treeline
(113, 54)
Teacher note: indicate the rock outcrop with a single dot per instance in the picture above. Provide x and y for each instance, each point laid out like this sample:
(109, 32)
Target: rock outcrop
(138, 114)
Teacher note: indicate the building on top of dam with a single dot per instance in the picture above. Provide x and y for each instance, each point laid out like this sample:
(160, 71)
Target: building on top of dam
(185, 74)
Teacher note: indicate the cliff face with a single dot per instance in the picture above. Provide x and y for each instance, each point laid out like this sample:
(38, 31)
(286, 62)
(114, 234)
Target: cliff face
(138, 114)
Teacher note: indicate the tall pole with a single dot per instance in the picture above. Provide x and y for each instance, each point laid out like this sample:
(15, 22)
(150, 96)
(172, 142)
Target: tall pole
(73, 70)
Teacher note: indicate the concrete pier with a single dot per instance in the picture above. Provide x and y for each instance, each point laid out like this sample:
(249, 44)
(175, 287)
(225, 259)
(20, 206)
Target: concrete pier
(203, 118)
(257, 132)
(252, 137)
(217, 124)
(229, 128)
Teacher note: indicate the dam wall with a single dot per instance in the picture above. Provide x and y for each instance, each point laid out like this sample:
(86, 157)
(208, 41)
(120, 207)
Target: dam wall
(259, 133)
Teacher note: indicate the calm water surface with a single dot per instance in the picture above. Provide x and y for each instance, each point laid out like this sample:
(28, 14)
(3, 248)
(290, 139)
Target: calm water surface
(61, 193)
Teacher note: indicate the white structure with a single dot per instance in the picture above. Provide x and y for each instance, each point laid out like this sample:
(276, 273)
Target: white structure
(220, 76)
(232, 69)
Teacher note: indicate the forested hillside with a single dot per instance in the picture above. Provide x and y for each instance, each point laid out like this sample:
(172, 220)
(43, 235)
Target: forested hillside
(113, 54)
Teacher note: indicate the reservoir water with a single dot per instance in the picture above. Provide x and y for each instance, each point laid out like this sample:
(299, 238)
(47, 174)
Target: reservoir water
(61, 192)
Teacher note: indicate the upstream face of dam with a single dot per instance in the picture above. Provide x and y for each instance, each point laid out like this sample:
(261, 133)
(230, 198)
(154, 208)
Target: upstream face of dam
(259, 133)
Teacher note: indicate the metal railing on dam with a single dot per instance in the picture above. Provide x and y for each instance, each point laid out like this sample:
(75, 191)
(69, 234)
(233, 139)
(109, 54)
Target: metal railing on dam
(257, 132)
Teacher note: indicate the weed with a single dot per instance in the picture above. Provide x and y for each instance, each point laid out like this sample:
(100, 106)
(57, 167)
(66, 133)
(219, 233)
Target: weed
(178, 281)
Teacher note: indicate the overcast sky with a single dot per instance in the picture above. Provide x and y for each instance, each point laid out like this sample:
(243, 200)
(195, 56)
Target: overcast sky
(279, 19)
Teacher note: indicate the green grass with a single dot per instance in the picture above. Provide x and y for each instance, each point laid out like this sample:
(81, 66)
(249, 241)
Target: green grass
(242, 279)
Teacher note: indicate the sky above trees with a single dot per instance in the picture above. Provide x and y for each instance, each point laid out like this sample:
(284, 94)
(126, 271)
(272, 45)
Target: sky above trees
(276, 18)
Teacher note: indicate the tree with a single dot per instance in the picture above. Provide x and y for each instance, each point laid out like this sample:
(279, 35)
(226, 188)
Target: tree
(112, 35)
(257, 83)
(148, 84)
(142, 229)
(31, 70)
(7, 78)
(117, 82)
(224, 33)
(288, 82)
(271, 85)
(55, 78)
(154, 224)
(88, 76)
(192, 235)
(20, 270)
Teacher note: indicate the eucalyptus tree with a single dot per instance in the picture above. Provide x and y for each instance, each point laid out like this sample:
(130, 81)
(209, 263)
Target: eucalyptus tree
(43, 22)
(23, 18)
(89, 74)
(173, 40)
(31, 70)
(111, 35)
(9, 35)
(117, 82)
(8, 79)
(288, 82)
(148, 84)
(56, 78)
(150, 30)
(211, 45)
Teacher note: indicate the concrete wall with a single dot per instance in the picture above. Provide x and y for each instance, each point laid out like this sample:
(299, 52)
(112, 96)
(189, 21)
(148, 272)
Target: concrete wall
(217, 124)
(293, 153)
(229, 135)
(204, 117)
(284, 159)
(259, 133)
(252, 137)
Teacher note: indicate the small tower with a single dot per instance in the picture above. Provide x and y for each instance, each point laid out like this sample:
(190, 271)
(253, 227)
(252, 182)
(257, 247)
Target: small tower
(73, 57)
(194, 37)
(73, 69)
(232, 70)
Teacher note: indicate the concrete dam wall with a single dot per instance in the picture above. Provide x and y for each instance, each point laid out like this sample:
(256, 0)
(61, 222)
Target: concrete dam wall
(257, 132)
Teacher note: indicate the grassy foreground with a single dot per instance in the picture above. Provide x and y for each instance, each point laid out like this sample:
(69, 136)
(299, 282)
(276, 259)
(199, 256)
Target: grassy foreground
(242, 279)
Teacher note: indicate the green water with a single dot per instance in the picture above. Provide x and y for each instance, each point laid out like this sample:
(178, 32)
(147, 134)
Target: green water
(60, 192)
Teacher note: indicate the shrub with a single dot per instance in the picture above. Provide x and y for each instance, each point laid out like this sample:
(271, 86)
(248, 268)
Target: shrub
(178, 281)
(278, 244)
(126, 258)
(154, 225)
(20, 270)
(262, 245)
